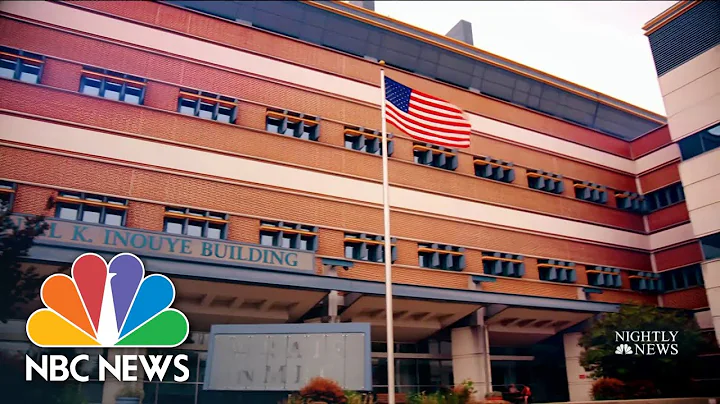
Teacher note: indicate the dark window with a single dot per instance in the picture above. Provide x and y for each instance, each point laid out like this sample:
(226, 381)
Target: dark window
(207, 106)
(591, 192)
(557, 271)
(631, 201)
(366, 140)
(91, 208)
(288, 235)
(195, 223)
(435, 156)
(440, 256)
(495, 263)
(664, 197)
(7, 195)
(682, 278)
(113, 85)
(545, 181)
(494, 169)
(368, 247)
(604, 276)
(711, 246)
(20, 65)
(699, 143)
(292, 124)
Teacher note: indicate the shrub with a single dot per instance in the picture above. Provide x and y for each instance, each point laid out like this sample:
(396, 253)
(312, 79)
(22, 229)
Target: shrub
(608, 389)
(323, 390)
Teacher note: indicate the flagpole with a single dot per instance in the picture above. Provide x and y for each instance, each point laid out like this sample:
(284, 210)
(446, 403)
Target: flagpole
(388, 249)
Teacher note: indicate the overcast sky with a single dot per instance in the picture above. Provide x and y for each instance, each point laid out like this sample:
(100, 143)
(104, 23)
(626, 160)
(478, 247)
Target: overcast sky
(597, 44)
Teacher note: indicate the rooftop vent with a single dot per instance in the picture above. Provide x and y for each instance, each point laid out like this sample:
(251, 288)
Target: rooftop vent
(462, 31)
(367, 4)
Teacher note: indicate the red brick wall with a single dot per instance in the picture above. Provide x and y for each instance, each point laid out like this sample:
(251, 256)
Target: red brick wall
(621, 296)
(679, 256)
(193, 75)
(179, 190)
(650, 142)
(103, 113)
(693, 298)
(241, 37)
(659, 178)
(667, 217)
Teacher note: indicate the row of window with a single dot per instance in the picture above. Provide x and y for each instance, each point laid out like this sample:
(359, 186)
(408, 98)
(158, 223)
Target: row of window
(100, 209)
(21, 65)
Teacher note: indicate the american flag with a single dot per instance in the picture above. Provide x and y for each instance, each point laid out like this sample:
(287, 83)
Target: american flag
(424, 117)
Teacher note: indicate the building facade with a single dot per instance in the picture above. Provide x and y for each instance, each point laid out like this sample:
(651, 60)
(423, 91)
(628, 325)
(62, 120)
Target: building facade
(686, 47)
(234, 147)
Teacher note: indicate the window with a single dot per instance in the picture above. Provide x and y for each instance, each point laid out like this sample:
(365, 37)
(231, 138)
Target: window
(368, 247)
(207, 105)
(545, 181)
(91, 208)
(196, 223)
(112, 85)
(439, 256)
(7, 195)
(682, 278)
(631, 201)
(557, 271)
(645, 281)
(366, 140)
(591, 192)
(292, 124)
(711, 246)
(495, 263)
(664, 197)
(494, 169)
(699, 143)
(604, 276)
(288, 235)
(20, 65)
(435, 156)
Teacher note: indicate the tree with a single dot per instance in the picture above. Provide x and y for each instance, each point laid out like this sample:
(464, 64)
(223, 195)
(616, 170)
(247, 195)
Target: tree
(670, 374)
(18, 286)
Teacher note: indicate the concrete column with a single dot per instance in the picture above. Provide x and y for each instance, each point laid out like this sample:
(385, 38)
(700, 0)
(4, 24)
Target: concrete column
(579, 382)
(711, 277)
(470, 358)
(112, 387)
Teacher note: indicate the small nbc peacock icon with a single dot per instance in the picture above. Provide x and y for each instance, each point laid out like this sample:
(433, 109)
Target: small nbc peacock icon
(623, 349)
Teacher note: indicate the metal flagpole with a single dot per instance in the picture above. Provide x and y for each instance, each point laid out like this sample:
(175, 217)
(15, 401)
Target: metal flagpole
(388, 249)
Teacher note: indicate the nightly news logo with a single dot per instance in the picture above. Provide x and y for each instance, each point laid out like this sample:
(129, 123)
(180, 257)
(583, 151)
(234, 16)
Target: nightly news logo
(646, 342)
(107, 306)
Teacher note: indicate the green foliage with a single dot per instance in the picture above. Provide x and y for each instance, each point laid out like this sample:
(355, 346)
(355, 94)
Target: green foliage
(460, 394)
(15, 390)
(17, 286)
(669, 372)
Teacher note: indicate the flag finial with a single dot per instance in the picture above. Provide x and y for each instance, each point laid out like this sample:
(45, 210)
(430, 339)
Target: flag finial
(382, 63)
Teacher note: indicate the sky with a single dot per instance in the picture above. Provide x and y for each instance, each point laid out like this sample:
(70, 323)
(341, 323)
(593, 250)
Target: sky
(597, 44)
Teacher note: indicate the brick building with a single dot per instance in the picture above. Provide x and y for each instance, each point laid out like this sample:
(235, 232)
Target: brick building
(249, 125)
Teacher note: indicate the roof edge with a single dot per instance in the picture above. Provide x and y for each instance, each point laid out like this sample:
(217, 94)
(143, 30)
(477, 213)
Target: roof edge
(511, 65)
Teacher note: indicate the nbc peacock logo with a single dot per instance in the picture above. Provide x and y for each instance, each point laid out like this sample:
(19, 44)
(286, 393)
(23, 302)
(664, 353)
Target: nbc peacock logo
(107, 305)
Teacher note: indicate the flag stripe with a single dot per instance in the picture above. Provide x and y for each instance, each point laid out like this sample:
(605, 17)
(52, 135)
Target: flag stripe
(425, 117)
(439, 105)
(423, 126)
(425, 138)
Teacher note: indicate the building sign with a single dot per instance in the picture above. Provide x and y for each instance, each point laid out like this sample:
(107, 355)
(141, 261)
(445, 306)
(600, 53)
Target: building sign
(284, 357)
(88, 236)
